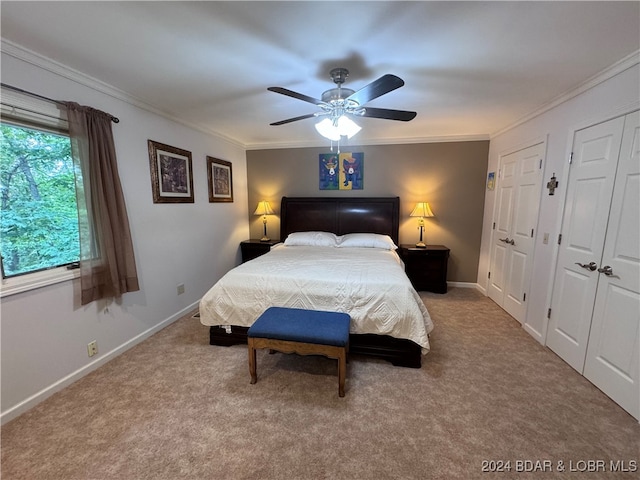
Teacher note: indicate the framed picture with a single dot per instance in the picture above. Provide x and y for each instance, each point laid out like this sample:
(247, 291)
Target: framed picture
(344, 171)
(171, 173)
(220, 180)
(491, 180)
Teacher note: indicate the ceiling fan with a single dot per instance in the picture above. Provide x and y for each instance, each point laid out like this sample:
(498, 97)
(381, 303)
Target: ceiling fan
(337, 103)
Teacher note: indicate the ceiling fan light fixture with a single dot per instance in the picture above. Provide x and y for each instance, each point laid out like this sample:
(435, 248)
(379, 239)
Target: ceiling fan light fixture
(347, 127)
(327, 130)
(338, 104)
(333, 129)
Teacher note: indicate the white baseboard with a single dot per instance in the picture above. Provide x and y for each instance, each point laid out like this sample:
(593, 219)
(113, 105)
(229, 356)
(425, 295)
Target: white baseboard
(45, 393)
(534, 333)
(467, 285)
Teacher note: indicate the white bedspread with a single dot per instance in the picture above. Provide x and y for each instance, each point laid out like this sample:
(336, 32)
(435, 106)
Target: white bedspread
(367, 283)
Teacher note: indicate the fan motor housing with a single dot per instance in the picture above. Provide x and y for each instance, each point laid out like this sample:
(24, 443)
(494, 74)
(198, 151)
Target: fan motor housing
(336, 94)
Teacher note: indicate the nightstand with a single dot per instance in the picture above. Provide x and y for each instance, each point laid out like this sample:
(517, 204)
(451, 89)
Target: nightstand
(254, 248)
(426, 267)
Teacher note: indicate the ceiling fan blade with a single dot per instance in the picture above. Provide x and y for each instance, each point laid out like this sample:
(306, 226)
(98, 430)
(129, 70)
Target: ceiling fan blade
(294, 119)
(377, 88)
(387, 114)
(299, 96)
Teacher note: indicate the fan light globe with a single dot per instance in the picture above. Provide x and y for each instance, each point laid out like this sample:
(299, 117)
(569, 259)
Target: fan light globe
(327, 130)
(345, 127)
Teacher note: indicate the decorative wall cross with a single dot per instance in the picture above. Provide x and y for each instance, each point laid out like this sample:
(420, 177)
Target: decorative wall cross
(552, 184)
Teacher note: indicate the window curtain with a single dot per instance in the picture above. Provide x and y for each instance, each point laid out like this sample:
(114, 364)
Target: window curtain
(107, 262)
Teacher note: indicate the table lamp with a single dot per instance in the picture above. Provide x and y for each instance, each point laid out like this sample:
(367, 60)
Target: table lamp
(264, 209)
(422, 210)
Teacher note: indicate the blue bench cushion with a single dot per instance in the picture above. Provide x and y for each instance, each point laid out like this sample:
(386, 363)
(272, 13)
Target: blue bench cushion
(306, 326)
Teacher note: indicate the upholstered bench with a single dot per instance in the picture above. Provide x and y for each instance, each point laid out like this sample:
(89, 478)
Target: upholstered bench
(305, 332)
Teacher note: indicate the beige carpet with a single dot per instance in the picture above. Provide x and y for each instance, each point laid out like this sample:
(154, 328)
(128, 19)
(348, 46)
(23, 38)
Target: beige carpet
(175, 407)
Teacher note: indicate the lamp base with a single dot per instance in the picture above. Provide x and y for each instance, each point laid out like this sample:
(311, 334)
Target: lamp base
(421, 245)
(265, 239)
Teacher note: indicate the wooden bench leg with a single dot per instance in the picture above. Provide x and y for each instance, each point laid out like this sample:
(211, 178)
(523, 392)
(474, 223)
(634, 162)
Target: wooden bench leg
(342, 371)
(339, 353)
(252, 361)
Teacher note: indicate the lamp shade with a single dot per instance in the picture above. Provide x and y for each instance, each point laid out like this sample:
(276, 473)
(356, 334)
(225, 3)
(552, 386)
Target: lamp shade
(263, 208)
(422, 209)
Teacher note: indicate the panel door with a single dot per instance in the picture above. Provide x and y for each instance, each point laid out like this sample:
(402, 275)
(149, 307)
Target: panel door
(612, 359)
(584, 224)
(501, 232)
(515, 221)
(525, 219)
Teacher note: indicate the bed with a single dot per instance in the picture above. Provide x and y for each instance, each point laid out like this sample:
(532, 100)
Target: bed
(350, 267)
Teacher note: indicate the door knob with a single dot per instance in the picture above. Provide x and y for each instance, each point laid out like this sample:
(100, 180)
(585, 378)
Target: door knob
(505, 240)
(606, 270)
(511, 242)
(591, 266)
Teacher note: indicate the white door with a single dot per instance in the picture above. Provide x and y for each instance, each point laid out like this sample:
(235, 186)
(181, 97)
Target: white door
(502, 226)
(613, 360)
(584, 224)
(513, 237)
(523, 225)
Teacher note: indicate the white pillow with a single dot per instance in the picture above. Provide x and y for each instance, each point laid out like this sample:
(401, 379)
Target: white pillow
(313, 239)
(367, 240)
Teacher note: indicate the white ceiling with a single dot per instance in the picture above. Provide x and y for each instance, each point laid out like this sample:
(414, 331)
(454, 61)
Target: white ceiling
(471, 68)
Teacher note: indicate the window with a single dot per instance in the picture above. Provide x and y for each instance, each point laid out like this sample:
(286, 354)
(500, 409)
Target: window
(39, 217)
(38, 213)
(46, 232)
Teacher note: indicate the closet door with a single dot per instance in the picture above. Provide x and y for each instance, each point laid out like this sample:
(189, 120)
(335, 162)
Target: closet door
(515, 222)
(584, 224)
(613, 360)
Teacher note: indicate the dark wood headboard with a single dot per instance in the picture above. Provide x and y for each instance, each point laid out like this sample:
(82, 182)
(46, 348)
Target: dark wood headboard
(340, 215)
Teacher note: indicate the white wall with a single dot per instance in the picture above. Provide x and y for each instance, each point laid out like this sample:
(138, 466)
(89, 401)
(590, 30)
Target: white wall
(44, 336)
(616, 95)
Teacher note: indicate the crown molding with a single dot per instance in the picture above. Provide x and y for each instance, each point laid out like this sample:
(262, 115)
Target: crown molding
(40, 61)
(321, 143)
(620, 66)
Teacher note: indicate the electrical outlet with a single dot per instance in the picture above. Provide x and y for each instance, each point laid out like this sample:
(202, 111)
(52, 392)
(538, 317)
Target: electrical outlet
(181, 289)
(92, 348)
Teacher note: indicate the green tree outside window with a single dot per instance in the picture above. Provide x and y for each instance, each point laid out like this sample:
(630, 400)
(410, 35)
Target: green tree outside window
(39, 217)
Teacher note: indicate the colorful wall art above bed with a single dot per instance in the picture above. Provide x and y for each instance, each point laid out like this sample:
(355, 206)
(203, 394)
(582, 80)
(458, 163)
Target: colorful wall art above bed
(343, 171)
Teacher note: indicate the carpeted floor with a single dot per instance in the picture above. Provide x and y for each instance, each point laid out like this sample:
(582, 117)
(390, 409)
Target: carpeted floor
(175, 407)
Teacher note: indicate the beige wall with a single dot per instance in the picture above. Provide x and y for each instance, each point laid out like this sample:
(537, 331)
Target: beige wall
(450, 176)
